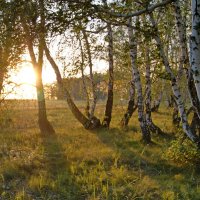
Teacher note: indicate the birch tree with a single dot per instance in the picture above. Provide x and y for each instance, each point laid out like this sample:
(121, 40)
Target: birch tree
(88, 124)
(152, 127)
(195, 45)
(175, 88)
(184, 63)
(109, 103)
(87, 108)
(132, 106)
(137, 82)
(93, 84)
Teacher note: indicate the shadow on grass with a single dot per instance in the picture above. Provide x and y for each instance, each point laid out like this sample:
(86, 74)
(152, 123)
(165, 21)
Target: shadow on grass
(167, 136)
(61, 183)
(126, 146)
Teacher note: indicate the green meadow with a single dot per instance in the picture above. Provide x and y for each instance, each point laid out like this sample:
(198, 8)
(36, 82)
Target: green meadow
(77, 164)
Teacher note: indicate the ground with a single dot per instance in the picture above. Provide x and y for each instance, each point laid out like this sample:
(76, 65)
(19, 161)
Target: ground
(77, 164)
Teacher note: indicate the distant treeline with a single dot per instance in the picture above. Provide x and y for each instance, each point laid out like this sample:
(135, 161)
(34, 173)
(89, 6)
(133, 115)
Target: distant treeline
(75, 86)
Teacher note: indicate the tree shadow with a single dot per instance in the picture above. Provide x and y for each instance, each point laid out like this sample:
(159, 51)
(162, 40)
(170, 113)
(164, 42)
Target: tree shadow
(165, 135)
(117, 140)
(58, 170)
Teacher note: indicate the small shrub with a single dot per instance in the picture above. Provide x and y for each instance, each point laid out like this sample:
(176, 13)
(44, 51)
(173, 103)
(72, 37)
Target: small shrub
(182, 152)
(168, 195)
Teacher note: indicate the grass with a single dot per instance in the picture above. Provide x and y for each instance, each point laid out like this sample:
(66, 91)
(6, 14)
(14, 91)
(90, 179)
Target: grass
(76, 164)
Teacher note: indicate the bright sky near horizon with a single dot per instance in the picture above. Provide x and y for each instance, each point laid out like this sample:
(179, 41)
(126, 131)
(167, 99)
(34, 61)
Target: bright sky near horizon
(24, 79)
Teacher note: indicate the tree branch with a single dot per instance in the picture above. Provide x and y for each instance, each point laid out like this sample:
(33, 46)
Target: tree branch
(136, 13)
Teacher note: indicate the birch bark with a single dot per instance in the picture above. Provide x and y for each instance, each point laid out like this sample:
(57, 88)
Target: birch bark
(109, 103)
(195, 45)
(87, 108)
(137, 82)
(175, 88)
(152, 127)
(185, 60)
(93, 85)
(131, 106)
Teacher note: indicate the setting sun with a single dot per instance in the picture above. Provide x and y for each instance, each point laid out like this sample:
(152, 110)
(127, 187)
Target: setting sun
(24, 80)
(26, 75)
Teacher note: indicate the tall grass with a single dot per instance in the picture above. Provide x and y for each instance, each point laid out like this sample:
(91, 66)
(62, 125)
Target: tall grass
(76, 164)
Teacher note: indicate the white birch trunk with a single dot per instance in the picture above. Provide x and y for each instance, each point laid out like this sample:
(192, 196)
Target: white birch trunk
(185, 57)
(87, 109)
(109, 103)
(137, 82)
(132, 106)
(93, 85)
(182, 36)
(175, 88)
(88, 124)
(195, 45)
(148, 88)
(152, 127)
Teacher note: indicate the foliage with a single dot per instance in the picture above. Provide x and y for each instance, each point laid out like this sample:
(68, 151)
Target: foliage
(183, 152)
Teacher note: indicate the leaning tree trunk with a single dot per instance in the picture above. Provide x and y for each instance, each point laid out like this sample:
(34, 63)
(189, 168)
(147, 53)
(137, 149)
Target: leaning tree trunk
(152, 127)
(195, 45)
(87, 108)
(109, 103)
(184, 59)
(137, 82)
(185, 62)
(175, 88)
(182, 38)
(194, 65)
(88, 124)
(44, 124)
(93, 85)
(131, 107)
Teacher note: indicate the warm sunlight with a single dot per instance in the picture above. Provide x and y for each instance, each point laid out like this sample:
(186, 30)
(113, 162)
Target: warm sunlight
(23, 79)
(24, 82)
(26, 75)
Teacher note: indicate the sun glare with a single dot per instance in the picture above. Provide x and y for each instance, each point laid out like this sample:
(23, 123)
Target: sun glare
(26, 76)
(24, 81)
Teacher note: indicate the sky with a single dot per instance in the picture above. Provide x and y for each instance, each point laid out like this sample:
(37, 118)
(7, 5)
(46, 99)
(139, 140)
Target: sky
(24, 77)
(23, 80)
